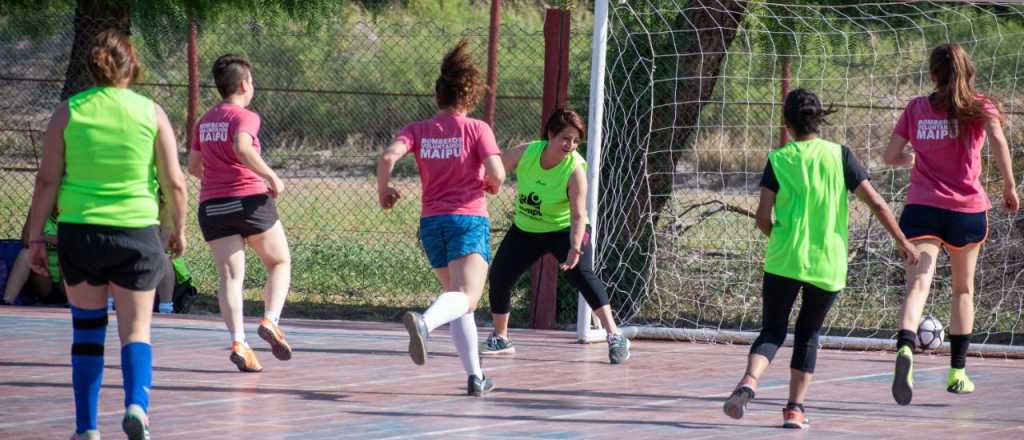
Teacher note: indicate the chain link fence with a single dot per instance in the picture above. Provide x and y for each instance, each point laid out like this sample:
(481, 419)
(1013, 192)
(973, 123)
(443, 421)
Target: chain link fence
(330, 97)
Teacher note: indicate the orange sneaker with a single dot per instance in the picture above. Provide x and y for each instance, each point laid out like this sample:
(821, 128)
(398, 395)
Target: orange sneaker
(244, 358)
(274, 336)
(795, 419)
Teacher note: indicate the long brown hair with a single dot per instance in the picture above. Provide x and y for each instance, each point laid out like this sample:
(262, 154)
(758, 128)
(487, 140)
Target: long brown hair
(112, 58)
(953, 72)
(459, 86)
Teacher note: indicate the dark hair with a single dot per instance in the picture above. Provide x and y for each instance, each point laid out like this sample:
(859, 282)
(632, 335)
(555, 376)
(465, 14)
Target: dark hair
(953, 72)
(562, 118)
(803, 113)
(112, 58)
(228, 73)
(459, 86)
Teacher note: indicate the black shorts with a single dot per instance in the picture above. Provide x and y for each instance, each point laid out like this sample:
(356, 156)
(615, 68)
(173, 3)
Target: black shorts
(245, 216)
(132, 258)
(954, 229)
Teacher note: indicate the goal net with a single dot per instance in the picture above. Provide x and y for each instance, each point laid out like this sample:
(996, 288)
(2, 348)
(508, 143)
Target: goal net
(692, 95)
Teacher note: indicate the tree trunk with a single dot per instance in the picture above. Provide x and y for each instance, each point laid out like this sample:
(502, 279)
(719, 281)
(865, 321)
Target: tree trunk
(684, 66)
(91, 18)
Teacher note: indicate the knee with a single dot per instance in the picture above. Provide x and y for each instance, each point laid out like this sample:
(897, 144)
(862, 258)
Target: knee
(961, 290)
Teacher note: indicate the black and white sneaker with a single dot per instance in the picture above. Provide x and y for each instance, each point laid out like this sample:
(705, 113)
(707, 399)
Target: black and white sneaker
(476, 386)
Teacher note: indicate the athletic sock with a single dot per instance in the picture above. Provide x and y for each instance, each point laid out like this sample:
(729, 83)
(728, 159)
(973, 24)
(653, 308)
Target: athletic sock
(464, 334)
(958, 345)
(906, 338)
(272, 316)
(137, 371)
(89, 335)
(166, 307)
(792, 405)
(446, 308)
(238, 336)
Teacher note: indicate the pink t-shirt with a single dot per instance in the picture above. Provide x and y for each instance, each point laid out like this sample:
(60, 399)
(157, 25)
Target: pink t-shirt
(214, 137)
(946, 166)
(450, 150)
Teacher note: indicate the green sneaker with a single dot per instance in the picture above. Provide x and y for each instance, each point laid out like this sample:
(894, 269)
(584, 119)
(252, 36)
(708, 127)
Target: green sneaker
(903, 379)
(958, 382)
(497, 345)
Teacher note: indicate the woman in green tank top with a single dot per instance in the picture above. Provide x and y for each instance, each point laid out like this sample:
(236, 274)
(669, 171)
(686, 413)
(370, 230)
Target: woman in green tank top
(550, 217)
(105, 151)
(803, 210)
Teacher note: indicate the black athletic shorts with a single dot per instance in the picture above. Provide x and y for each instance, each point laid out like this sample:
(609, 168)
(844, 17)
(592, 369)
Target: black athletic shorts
(245, 216)
(954, 229)
(132, 258)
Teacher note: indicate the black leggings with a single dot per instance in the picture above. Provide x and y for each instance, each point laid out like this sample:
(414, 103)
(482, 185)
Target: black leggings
(520, 249)
(779, 293)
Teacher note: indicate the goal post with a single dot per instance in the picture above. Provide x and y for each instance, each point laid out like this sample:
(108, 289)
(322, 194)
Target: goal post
(585, 322)
(685, 103)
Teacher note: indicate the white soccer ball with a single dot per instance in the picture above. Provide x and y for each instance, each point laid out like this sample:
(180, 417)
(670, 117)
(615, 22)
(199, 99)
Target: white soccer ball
(929, 333)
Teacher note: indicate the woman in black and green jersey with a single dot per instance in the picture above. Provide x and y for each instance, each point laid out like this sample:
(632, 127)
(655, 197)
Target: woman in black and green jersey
(805, 181)
(550, 217)
(105, 152)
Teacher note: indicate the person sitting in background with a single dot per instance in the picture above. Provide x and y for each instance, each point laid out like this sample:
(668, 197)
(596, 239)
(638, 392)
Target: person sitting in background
(45, 289)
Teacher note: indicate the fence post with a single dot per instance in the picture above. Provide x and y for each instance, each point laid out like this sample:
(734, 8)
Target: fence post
(786, 76)
(193, 78)
(544, 274)
(492, 63)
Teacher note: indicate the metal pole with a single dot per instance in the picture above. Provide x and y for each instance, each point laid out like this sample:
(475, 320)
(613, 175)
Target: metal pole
(599, 50)
(492, 63)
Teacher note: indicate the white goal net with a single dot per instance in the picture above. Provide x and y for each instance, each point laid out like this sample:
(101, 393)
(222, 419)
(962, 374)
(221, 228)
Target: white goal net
(692, 96)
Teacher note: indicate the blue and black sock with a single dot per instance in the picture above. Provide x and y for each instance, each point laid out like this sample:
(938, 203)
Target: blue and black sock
(137, 370)
(90, 333)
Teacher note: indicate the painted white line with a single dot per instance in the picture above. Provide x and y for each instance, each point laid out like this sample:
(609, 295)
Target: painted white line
(491, 427)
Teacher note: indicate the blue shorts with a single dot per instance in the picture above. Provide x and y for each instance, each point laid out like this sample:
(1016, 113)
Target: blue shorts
(447, 238)
(954, 229)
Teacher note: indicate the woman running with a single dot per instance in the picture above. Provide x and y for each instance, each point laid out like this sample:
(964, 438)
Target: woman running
(946, 204)
(805, 181)
(550, 217)
(236, 207)
(104, 152)
(458, 160)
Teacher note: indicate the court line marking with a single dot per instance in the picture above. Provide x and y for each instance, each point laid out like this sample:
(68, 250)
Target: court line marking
(627, 407)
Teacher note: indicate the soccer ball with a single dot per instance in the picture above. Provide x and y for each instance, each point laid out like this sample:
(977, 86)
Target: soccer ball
(929, 333)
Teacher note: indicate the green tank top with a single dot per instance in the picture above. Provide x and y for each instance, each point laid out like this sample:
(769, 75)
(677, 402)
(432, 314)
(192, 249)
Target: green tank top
(542, 195)
(809, 238)
(109, 174)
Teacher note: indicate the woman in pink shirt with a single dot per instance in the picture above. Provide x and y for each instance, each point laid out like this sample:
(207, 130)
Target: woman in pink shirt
(946, 204)
(236, 207)
(458, 160)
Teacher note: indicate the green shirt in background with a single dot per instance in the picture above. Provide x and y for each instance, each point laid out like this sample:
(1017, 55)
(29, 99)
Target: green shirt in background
(809, 238)
(109, 177)
(542, 195)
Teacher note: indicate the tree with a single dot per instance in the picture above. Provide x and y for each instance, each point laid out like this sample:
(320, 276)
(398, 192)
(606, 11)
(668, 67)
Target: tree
(159, 17)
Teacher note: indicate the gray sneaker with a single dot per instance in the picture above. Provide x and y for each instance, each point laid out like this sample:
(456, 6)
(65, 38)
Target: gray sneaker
(496, 345)
(135, 423)
(618, 349)
(91, 434)
(476, 386)
(417, 337)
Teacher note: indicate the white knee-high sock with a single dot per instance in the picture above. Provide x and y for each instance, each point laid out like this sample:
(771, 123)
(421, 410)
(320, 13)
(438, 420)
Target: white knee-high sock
(446, 308)
(465, 336)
